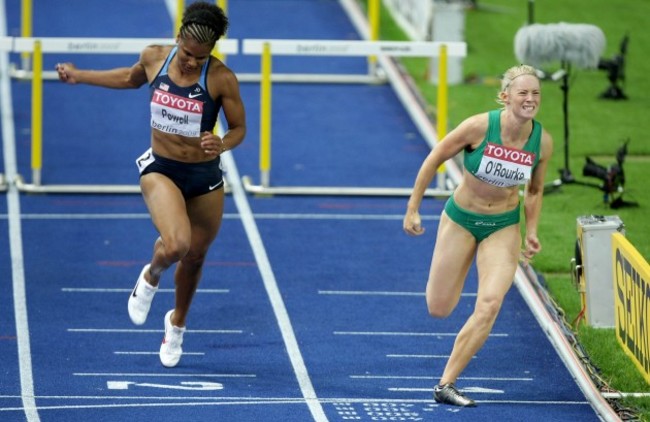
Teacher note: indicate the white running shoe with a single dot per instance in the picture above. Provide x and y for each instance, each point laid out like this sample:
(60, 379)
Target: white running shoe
(140, 299)
(170, 349)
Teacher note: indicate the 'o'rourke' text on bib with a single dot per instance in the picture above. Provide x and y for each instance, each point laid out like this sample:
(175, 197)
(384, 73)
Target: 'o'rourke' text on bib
(505, 167)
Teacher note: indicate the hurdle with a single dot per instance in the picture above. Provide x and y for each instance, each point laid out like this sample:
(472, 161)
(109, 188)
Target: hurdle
(25, 73)
(380, 49)
(39, 46)
(26, 12)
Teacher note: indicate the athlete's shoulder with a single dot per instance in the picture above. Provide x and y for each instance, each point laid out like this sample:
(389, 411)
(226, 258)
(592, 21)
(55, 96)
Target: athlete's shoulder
(547, 139)
(221, 79)
(155, 53)
(218, 69)
(476, 124)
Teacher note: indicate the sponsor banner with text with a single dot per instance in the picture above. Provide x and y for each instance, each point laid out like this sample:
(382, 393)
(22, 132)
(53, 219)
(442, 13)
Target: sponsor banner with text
(632, 302)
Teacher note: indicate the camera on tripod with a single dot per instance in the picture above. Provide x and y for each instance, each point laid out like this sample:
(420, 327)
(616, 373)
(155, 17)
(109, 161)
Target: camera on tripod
(612, 176)
(615, 68)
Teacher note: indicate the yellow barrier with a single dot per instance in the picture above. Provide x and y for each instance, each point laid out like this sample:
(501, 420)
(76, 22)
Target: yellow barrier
(265, 116)
(282, 47)
(441, 106)
(180, 7)
(26, 28)
(37, 113)
(632, 302)
(223, 4)
(36, 47)
(340, 48)
(373, 20)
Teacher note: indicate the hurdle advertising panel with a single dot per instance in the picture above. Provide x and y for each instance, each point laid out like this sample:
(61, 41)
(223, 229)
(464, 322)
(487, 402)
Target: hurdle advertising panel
(632, 302)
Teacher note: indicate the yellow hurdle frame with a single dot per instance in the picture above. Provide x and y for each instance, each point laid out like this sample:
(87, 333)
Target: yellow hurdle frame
(349, 48)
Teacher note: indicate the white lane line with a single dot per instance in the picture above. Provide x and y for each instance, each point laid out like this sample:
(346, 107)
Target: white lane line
(421, 356)
(15, 234)
(165, 398)
(101, 290)
(323, 216)
(230, 216)
(473, 390)
(400, 333)
(83, 216)
(271, 285)
(426, 377)
(378, 293)
(185, 353)
(245, 401)
(160, 374)
(269, 400)
(136, 330)
(367, 293)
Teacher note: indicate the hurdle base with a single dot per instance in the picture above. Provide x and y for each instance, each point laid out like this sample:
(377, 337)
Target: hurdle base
(103, 189)
(27, 75)
(336, 190)
(367, 79)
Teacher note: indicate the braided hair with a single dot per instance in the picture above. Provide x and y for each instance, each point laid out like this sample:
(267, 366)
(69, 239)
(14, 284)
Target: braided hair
(204, 22)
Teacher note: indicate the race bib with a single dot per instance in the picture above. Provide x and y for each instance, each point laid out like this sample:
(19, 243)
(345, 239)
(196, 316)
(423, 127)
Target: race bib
(504, 166)
(176, 115)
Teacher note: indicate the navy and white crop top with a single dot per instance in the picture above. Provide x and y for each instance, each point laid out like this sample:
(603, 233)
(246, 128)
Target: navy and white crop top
(186, 111)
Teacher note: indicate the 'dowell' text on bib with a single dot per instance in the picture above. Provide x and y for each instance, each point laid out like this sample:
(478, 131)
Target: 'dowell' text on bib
(175, 114)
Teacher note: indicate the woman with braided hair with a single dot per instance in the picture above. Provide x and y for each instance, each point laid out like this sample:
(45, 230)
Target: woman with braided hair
(180, 174)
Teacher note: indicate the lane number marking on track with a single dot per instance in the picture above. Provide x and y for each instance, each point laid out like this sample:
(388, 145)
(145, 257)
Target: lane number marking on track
(184, 385)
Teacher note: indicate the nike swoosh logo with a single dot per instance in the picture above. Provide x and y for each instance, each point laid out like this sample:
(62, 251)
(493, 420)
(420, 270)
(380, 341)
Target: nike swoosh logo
(214, 187)
(195, 95)
(134, 289)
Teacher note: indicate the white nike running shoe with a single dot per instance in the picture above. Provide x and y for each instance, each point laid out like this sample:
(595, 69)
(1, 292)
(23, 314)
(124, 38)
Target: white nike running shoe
(170, 349)
(141, 298)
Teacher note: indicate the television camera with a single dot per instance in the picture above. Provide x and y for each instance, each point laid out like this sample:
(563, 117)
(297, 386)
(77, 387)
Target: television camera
(612, 177)
(615, 68)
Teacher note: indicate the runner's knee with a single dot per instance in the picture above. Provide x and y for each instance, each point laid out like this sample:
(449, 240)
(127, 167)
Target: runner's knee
(487, 309)
(439, 308)
(176, 249)
(194, 260)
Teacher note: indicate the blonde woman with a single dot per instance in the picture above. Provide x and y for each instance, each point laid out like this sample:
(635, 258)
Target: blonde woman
(503, 149)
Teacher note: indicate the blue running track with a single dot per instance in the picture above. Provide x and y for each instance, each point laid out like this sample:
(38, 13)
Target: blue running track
(310, 308)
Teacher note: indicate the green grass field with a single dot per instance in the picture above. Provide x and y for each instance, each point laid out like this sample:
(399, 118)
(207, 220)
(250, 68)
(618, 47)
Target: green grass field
(597, 128)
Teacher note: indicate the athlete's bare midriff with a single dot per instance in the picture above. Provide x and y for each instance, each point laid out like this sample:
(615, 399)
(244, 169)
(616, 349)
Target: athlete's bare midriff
(477, 196)
(179, 148)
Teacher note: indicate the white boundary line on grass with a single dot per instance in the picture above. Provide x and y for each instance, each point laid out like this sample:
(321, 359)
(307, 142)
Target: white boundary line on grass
(15, 235)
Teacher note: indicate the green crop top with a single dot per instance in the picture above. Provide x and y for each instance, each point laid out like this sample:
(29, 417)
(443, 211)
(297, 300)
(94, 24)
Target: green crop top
(499, 165)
